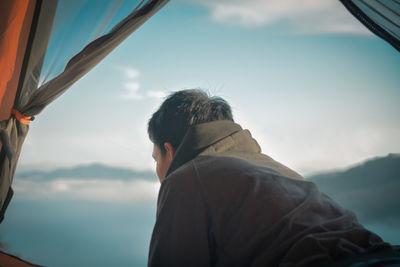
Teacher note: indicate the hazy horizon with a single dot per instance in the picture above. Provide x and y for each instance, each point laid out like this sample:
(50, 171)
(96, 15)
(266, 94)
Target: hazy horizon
(64, 219)
(50, 166)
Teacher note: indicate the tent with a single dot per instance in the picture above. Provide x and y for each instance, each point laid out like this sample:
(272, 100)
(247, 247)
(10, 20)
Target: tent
(46, 46)
(382, 17)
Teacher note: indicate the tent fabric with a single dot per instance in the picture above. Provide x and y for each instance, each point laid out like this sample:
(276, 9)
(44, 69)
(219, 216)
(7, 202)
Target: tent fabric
(14, 32)
(16, 26)
(70, 38)
(9, 260)
(69, 25)
(31, 97)
(89, 57)
(382, 17)
(16, 132)
(39, 38)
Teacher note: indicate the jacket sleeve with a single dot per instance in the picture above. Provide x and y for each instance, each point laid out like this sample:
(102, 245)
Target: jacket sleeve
(181, 235)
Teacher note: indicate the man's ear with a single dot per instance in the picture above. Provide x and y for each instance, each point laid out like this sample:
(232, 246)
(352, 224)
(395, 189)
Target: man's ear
(170, 151)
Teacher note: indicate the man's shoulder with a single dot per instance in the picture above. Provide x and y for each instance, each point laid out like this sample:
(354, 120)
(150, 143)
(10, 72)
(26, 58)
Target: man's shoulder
(228, 164)
(218, 167)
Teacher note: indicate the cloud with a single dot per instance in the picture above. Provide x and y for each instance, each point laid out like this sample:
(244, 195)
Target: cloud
(132, 86)
(300, 16)
(312, 144)
(131, 91)
(102, 190)
(129, 72)
(157, 94)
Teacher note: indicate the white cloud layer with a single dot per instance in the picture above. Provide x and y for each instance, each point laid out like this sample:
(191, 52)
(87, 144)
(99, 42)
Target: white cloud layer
(157, 94)
(115, 191)
(301, 16)
(132, 86)
(131, 91)
(129, 72)
(310, 150)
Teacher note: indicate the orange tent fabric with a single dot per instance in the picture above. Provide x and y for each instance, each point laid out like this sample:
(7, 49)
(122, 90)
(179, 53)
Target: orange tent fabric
(12, 261)
(13, 41)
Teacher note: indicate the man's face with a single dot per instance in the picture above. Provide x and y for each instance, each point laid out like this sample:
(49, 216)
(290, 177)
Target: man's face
(162, 162)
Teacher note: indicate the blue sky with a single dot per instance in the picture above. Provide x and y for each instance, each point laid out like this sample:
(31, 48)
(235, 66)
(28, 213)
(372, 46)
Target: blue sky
(315, 88)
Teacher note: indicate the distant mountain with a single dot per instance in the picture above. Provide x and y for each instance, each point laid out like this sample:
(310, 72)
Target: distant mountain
(92, 171)
(371, 189)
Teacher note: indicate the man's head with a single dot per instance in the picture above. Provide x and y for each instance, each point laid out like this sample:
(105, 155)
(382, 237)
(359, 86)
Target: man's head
(177, 113)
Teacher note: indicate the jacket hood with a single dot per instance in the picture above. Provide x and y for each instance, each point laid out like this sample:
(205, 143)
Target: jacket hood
(226, 139)
(199, 137)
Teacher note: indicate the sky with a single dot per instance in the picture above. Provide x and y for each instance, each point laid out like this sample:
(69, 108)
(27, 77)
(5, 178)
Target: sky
(316, 89)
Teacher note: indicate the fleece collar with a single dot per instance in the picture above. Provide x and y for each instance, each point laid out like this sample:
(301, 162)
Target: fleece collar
(199, 137)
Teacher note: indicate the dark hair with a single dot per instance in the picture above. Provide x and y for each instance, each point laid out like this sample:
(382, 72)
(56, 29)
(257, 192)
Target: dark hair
(182, 109)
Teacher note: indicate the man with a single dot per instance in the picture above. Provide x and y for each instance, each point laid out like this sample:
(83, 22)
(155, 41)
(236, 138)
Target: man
(224, 203)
